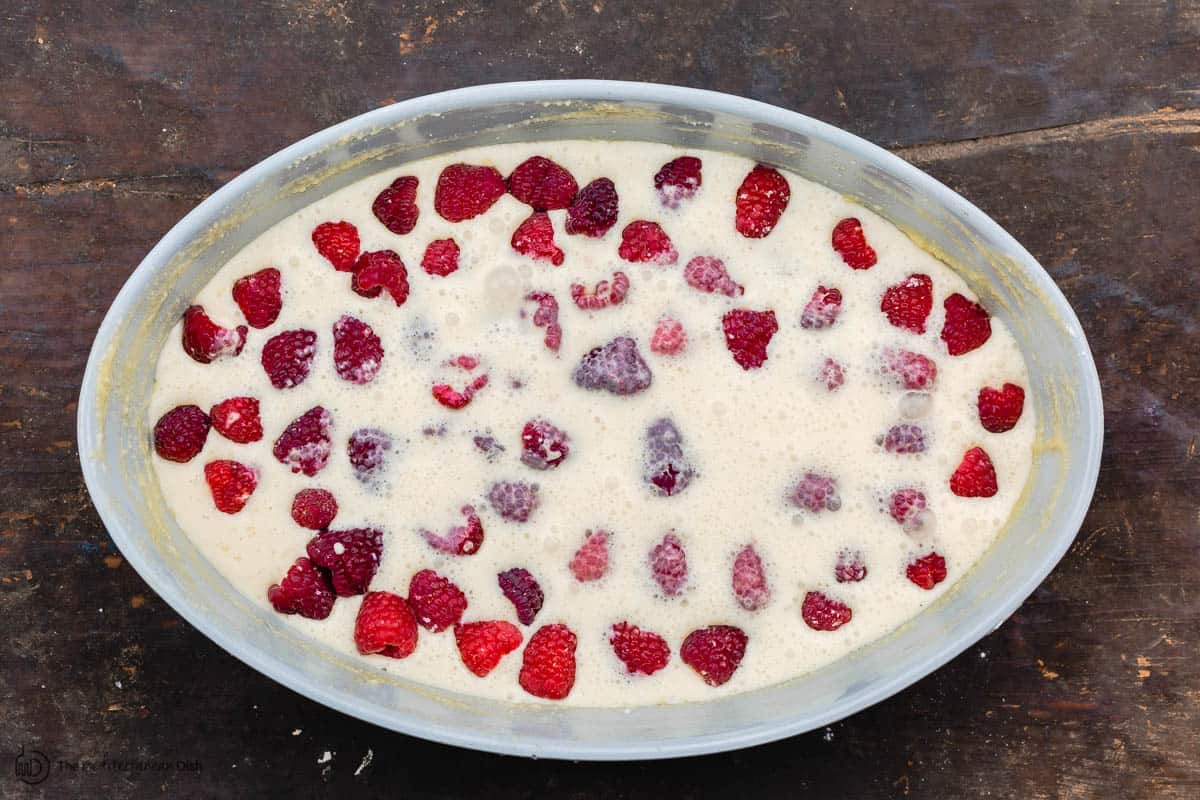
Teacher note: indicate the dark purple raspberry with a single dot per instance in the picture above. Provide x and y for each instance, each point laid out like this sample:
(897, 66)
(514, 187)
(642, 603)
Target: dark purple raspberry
(667, 470)
(616, 367)
(594, 210)
(522, 589)
(903, 438)
(513, 500)
(816, 493)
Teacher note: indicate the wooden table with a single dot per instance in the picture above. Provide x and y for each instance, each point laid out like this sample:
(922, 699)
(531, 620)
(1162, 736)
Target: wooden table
(1075, 125)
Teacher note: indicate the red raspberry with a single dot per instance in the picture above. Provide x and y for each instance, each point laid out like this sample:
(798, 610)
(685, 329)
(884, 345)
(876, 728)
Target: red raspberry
(641, 651)
(591, 559)
(542, 184)
(179, 434)
(379, 270)
(708, 275)
(851, 244)
(287, 357)
(304, 445)
(850, 567)
(668, 565)
(603, 295)
(437, 603)
(535, 238)
(441, 257)
(206, 341)
(259, 297)
(908, 369)
(314, 509)
(968, 325)
(906, 506)
(546, 317)
(822, 613)
(482, 644)
(351, 556)
(668, 471)
(975, 476)
(747, 334)
(750, 580)
(523, 591)
(903, 438)
(678, 180)
(831, 374)
(357, 351)
(465, 191)
(305, 590)
(927, 571)
(338, 242)
(669, 338)
(396, 206)
(816, 493)
(513, 500)
(999, 409)
(908, 303)
(646, 242)
(714, 652)
(453, 399)
(231, 484)
(548, 666)
(616, 367)
(823, 309)
(460, 540)
(760, 202)
(594, 210)
(237, 419)
(544, 446)
(385, 625)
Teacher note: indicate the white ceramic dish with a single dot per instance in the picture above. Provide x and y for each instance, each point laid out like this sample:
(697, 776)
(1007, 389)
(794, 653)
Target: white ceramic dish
(115, 450)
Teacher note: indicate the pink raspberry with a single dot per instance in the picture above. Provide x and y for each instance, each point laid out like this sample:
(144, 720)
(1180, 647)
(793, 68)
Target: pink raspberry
(708, 274)
(831, 374)
(850, 567)
(604, 295)
(669, 338)
(460, 540)
(668, 565)
(546, 317)
(822, 310)
(816, 492)
(591, 559)
(750, 579)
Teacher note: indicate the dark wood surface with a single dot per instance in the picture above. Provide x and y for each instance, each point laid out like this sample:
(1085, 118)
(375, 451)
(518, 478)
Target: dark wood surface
(1075, 125)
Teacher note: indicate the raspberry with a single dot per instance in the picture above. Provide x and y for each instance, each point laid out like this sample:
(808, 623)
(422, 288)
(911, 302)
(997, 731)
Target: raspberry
(975, 476)
(237, 419)
(481, 645)
(338, 242)
(259, 297)
(851, 244)
(437, 603)
(305, 590)
(441, 257)
(314, 509)
(351, 556)
(646, 242)
(513, 500)
(544, 446)
(823, 309)
(594, 210)
(616, 367)
(488, 445)
(678, 180)
(667, 470)
(460, 540)
(850, 567)
(378, 270)
(546, 317)
(747, 334)
(927, 571)
(523, 591)
(668, 565)
(968, 325)
(816, 493)
(908, 303)
(603, 295)
(708, 275)
(396, 206)
(669, 338)
(548, 666)
(465, 191)
(385, 625)
(287, 357)
(714, 652)
(304, 445)
(542, 184)
(641, 651)
(750, 580)
(822, 613)
(179, 434)
(535, 238)
(453, 399)
(368, 449)
(909, 370)
(357, 351)
(206, 341)
(903, 438)
(760, 202)
(591, 559)
(831, 374)
(906, 505)
(231, 484)
(463, 362)
(999, 409)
